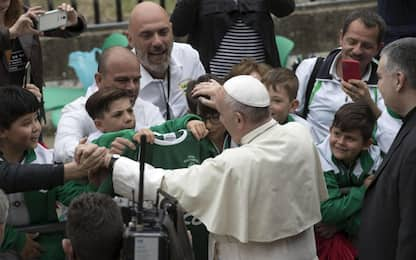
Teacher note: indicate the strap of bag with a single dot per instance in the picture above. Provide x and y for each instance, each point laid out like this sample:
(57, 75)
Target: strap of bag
(173, 221)
(309, 87)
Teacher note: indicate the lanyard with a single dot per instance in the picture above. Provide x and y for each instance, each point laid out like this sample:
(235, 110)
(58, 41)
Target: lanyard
(167, 99)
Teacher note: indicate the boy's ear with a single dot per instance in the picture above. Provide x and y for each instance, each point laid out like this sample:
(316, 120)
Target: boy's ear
(98, 79)
(367, 144)
(99, 124)
(294, 104)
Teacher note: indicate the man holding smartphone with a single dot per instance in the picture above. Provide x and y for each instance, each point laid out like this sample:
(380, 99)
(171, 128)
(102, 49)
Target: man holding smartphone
(360, 40)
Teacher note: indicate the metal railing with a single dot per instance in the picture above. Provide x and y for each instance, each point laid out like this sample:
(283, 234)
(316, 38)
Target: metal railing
(98, 23)
(96, 8)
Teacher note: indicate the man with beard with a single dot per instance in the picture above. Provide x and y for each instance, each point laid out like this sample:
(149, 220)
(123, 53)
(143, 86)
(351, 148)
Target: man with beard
(361, 39)
(165, 66)
(119, 68)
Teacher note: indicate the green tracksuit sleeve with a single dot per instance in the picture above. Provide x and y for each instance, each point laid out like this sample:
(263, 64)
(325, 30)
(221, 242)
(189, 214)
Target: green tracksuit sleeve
(13, 240)
(174, 124)
(67, 192)
(338, 208)
(107, 138)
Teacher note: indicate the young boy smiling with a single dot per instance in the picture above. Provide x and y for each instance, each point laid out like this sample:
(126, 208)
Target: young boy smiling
(19, 133)
(348, 160)
(282, 85)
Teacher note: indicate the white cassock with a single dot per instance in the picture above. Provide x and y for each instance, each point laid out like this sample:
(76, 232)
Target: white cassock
(259, 200)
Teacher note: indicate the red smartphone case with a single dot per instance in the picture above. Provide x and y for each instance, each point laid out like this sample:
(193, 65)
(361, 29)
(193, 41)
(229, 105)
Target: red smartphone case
(350, 70)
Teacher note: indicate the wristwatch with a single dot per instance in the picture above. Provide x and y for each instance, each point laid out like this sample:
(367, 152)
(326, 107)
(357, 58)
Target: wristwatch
(114, 158)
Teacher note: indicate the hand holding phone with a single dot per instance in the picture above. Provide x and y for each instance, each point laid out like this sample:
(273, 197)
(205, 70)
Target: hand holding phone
(51, 20)
(350, 69)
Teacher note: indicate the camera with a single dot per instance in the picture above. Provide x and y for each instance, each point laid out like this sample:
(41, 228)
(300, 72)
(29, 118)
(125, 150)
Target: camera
(51, 20)
(156, 231)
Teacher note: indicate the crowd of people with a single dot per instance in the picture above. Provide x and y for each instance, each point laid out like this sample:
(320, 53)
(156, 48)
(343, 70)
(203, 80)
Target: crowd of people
(268, 163)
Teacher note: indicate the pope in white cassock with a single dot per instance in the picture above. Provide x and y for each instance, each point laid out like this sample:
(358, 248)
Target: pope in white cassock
(259, 200)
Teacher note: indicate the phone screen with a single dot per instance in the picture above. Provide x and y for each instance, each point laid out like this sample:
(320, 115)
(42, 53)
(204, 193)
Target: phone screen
(350, 70)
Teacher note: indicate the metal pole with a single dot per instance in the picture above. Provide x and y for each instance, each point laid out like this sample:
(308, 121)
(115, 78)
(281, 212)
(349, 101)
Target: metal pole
(74, 4)
(97, 11)
(119, 11)
(50, 5)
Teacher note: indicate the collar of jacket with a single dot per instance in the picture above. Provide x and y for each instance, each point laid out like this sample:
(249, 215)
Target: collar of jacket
(324, 70)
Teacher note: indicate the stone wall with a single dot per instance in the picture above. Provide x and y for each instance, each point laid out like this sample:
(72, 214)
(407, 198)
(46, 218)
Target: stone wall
(314, 27)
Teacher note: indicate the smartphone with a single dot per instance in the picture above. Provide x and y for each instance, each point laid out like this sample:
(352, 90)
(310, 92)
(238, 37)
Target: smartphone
(350, 70)
(51, 20)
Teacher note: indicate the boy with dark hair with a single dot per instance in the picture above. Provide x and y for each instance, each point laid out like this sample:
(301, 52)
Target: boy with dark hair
(19, 133)
(282, 85)
(111, 109)
(348, 160)
(94, 228)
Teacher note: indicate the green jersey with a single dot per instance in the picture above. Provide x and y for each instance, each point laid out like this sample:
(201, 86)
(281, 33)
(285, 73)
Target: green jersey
(171, 150)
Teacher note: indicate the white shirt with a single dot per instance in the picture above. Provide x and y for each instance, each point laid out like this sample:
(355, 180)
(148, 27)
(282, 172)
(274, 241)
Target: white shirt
(184, 66)
(75, 123)
(330, 97)
(250, 193)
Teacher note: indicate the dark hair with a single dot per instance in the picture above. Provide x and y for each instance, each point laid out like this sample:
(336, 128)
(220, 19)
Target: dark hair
(370, 19)
(283, 77)
(95, 227)
(401, 56)
(100, 101)
(246, 67)
(355, 116)
(195, 106)
(16, 102)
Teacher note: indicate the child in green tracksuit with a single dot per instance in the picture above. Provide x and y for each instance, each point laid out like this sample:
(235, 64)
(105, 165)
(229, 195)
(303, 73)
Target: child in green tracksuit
(349, 161)
(19, 133)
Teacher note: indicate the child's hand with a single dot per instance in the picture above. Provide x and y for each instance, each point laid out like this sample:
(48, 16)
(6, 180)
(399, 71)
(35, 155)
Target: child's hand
(369, 180)
(120, 144)
(31, 248)
(197, 128)
(150, 136)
